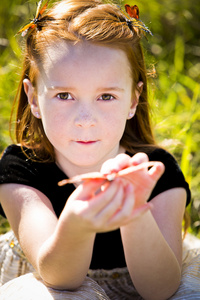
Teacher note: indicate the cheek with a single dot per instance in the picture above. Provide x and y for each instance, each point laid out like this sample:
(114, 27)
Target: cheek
(114, 124)
(52, 124)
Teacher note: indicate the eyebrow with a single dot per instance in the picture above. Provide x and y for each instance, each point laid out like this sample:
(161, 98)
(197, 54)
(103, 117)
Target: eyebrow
(118, 89)
(105, 89)
(51, 88)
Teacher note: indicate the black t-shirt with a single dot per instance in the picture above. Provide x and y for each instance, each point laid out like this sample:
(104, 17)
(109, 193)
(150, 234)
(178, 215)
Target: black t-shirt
(15, 167)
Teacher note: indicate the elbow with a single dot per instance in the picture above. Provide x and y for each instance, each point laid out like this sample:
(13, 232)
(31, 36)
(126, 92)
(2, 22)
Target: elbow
(56, 274)
(166, 293)
(56, 279)
(162, 290)
(170, 288)
(60, 275)
(59, 280)
(161, 295)
(67, 286)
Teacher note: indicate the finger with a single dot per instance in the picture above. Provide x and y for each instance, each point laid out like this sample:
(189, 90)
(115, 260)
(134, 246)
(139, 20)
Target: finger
(139, 158)
(156, 171)
(127, 206)
(104, 197)
(89, 188)
(110, 208)
(121, 161)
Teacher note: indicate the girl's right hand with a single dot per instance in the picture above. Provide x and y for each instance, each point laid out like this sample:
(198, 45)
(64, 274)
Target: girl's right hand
(93, 205)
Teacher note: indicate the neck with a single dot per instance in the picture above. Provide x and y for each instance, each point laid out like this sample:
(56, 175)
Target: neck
(71, 169)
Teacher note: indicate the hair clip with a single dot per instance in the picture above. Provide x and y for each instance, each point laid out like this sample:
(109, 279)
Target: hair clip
(132, 18)
(34, 22)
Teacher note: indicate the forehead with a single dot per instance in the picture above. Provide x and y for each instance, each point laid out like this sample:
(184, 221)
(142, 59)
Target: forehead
(65, 61)
(66, 52)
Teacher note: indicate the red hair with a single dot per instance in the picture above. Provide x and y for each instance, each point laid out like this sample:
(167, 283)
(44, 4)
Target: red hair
(75, 21)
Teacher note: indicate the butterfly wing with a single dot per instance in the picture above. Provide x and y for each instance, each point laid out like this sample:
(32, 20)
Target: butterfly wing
(25, 29)
(83, 178)
(39, 13)
(132, 15)
(133, 11)
(126, 173)
(132, 173)
(40, 9)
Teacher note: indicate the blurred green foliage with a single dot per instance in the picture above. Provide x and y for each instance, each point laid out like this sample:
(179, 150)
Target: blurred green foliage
(175, 93)
(173, 51)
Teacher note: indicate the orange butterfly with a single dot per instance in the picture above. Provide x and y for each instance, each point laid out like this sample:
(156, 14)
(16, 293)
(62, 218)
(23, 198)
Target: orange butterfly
(133, 11)
(132, 17)
(126, 173)
(108, 177)
(33, 23)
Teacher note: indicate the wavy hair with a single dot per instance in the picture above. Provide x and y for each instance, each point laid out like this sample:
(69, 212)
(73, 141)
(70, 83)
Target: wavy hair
(75, 21)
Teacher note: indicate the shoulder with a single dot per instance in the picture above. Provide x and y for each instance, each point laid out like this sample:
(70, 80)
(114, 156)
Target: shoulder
(14, 165)
(172, 167)
(160, 153)
(166, 158)
(172, 177)
(11, 150)
(17, 167)
(13, 153)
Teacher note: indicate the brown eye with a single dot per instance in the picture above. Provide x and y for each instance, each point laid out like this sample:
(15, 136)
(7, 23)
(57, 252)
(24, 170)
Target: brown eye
(106, 97)
(64, 96)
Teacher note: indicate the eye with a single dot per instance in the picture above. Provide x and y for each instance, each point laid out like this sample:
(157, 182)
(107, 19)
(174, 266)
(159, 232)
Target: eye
(64, 96)
(106, 97)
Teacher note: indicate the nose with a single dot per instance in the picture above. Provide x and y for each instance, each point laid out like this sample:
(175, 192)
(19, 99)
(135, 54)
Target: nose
(85, 118)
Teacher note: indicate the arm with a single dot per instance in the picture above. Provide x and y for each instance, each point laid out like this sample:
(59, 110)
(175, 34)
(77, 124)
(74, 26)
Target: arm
(155, 263)
(53, 251)
(61, 249)
(54, 246)
(153, 242)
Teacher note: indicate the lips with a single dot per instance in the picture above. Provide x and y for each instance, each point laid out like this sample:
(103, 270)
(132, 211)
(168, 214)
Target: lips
(85, 142)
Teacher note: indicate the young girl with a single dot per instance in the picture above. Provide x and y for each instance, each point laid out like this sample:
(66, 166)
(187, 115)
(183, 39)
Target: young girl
(82, 107)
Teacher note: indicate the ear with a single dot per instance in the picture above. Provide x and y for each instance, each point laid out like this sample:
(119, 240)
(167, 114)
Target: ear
(32, 99)
(135, 99)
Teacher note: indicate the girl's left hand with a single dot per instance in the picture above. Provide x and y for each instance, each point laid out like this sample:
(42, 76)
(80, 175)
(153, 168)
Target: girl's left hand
(143, 180)
(100, 205)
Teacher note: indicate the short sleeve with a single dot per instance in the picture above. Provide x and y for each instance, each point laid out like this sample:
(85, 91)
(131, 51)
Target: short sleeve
(15, 167)
(172, 177)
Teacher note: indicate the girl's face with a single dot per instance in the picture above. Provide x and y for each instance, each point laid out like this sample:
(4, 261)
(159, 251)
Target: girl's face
(84, 98)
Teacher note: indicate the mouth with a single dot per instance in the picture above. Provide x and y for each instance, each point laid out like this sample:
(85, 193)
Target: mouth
(86, 142)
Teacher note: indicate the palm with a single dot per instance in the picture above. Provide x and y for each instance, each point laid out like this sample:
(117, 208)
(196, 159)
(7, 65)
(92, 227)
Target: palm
(143, 184)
